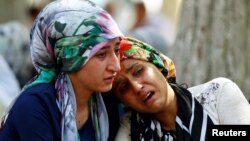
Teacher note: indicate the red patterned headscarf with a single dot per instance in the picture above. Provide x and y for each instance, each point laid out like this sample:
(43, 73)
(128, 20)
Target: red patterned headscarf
(134, 49)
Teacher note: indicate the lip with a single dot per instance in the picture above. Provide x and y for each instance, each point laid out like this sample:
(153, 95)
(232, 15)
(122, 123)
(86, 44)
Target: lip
(149, 97)
(109, 79)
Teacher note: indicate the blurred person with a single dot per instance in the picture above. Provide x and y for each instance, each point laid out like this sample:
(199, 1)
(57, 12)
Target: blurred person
(9, 86)
(17, 67)
(75, 50)
(151, 24)
(150, 36)
(160, 109)
(33, 9)
(14, 41)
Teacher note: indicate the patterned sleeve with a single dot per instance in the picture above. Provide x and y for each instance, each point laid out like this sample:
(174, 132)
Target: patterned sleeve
(223, 100)
(232, 107)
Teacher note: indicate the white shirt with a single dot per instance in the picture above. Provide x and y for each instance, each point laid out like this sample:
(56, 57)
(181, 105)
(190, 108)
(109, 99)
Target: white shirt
(223, 100)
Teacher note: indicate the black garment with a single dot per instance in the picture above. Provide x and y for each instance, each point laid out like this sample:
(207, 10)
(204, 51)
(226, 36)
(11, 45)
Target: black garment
(191, 122)
(112, 106)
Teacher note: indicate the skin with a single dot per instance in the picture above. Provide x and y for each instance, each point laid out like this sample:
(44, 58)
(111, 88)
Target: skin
(141, 86)
(97, 75)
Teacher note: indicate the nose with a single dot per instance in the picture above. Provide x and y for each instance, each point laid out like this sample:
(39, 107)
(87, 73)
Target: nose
(137, 87)
(114, 63)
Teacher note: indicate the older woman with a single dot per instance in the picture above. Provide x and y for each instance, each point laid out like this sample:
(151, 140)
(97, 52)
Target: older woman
(162, 110)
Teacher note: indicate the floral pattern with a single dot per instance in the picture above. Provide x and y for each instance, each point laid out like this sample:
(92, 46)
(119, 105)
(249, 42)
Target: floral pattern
(131, 48)
(208, 96)
(65, 34)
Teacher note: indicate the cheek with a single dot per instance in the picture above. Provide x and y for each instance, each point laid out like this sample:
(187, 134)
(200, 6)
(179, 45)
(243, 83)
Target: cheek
(157, 79)
(96, 71)
(152, 77)
(90, 76)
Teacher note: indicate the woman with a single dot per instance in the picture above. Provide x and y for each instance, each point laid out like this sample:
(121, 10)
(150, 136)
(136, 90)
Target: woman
(162, 110)
(75, 49)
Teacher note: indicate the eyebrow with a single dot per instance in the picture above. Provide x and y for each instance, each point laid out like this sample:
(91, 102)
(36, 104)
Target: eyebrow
(127, 70)
(131, 67)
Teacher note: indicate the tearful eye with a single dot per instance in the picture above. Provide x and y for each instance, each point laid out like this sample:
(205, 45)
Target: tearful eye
(101, 55)
(138, 71)
(117, 51)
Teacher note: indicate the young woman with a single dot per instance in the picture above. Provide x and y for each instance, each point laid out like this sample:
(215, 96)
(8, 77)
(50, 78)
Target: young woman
(75, 49)
(162, 110)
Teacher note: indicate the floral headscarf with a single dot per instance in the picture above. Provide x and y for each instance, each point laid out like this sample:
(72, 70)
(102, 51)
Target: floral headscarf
(64, 36)
(134, 49)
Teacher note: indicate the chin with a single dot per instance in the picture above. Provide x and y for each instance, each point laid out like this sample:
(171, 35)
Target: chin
(106, 88)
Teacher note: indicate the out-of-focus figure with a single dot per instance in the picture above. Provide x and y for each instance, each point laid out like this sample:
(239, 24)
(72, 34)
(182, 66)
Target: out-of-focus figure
(16, 66)
(9, 87)
(151, 26)
(14, 40)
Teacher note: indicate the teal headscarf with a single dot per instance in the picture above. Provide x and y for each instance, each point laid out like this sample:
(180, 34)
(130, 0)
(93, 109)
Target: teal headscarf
(64, 36)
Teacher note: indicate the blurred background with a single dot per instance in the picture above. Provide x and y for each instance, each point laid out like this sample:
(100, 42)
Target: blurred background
(205, 38)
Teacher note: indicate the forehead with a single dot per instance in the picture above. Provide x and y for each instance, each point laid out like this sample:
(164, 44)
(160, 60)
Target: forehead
(128, 64)
(125, 67)
(106, 46)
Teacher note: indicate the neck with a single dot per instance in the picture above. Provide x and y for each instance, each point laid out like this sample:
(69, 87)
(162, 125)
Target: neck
(167, 117)
(82, 115)
(82, 96)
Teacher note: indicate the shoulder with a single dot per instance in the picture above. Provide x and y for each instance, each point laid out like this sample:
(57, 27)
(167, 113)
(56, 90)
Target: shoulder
(207, 92)
(215, 89)
(41, 93)
(216, 82)
(37, 100)
(219, 94)
(34, 113)
(43, 88)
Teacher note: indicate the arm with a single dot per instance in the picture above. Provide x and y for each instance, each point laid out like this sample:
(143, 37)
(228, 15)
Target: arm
(232, 106)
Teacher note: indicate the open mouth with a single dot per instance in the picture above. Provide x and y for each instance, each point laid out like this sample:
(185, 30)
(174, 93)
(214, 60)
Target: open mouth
(149, 95)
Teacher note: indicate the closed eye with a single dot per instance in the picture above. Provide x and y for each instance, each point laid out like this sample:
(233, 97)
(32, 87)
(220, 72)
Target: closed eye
(117, 51)
(138, 71)
(122, 87)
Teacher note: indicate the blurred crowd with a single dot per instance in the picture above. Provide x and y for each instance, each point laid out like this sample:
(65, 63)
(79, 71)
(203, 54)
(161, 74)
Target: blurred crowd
(16, 65)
